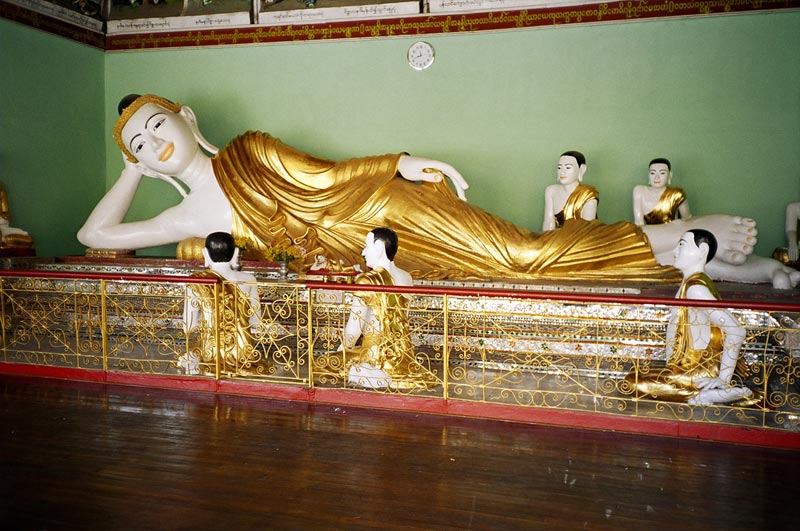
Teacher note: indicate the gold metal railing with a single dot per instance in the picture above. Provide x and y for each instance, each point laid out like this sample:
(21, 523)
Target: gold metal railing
(523, 349)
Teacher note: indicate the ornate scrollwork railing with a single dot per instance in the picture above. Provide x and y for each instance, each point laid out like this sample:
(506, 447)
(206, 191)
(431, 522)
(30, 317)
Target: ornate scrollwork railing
(571, 351)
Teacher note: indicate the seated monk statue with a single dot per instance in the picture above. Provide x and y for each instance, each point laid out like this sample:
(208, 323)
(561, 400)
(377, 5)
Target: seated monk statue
(570, 198)
(385, 358)
(13, 241)
(659, 203)
(266, 192)
(792, 219)
(703, 365)
(576, 200)
(238, 297)
(790, 255)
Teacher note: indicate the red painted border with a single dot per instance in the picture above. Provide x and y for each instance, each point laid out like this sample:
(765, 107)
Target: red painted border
(430, 24)
(52, 25)
(501, 412)
(425, 24)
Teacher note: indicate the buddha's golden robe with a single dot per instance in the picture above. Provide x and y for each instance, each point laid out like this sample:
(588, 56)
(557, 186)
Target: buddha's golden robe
(677, 381)
(237, 352)
(281, 195)
(386, 343)
(666, 209)
(582, 194)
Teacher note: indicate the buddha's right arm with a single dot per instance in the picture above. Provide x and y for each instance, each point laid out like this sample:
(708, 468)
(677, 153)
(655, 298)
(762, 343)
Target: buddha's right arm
(111, 209)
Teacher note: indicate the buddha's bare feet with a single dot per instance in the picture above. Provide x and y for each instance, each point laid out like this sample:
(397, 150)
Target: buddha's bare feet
(755, 270)
(785, 278)
(736, 236)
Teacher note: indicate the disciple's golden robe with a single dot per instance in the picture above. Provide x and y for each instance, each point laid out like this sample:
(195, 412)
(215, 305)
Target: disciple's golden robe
(678, 381)
(666, 209)
(386, 342)
(236, 350)
(582, 194)
(13, 244)
(280, 194)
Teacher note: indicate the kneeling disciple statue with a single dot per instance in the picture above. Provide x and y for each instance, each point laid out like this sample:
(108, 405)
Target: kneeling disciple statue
(13, 241)
(703, 365)
(233, 338)
(385, 358)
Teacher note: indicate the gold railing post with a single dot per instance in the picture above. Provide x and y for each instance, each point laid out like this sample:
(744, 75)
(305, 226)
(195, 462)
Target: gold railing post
(103, 323)
(3, 313)
(218, 325)
(309, 318)
(445, 346)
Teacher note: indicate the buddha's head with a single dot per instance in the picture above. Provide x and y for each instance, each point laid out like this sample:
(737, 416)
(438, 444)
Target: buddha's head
(157, 133)
(660, 173)
(571, 167)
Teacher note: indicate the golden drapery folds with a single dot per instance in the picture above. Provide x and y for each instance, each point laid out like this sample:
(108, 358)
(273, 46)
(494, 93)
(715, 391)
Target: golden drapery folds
(281, 195)
(582, 194)
(666, 209)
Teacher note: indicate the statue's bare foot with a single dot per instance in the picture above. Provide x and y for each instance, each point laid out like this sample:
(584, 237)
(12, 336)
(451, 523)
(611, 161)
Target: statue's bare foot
(736, 236)
(785, 278)
(755, 270)
(710, 397)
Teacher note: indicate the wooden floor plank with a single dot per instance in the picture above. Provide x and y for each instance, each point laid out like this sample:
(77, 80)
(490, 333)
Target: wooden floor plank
(81, 456)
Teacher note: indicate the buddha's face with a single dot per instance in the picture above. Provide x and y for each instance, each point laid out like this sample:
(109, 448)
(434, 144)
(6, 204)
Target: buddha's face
(160, 139)
(569, 171)
(687, 253)
(373, 252)
(659, 175)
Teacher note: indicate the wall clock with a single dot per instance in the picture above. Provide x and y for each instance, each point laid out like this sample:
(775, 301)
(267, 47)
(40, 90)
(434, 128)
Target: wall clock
(420, 55)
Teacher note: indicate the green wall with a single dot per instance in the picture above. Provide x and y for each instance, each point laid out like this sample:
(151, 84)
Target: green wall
(52, 107)
(717, 95)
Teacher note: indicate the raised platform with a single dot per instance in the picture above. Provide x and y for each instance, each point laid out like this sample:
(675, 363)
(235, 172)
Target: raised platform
(537, 352)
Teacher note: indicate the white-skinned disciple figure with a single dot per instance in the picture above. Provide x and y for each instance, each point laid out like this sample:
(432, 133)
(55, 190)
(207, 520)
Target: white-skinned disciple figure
(240, 310)
(702, 344)
(571, 199)
(384, 357)
(658, 203)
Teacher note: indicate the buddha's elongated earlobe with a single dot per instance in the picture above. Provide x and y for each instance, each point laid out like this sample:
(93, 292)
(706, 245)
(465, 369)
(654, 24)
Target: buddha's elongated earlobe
(188, 114)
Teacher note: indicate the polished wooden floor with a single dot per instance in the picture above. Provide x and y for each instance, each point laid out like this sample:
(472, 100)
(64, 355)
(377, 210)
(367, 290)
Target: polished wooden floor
(78, 456)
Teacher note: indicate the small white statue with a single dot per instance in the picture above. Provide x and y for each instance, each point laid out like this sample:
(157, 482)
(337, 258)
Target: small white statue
(792, 219)
(569, 199)
(659, 203)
